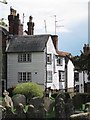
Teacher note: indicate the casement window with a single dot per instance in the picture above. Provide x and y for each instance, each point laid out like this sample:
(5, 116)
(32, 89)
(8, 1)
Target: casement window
(59, 61)
(24, 76)
(61, 75)
(49, 76)
(24, 57)
(76, 76)
(49, 58)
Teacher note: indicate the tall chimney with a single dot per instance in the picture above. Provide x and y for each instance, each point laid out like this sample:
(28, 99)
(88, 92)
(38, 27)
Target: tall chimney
(55, 41)
(15, 26)
(30, 26)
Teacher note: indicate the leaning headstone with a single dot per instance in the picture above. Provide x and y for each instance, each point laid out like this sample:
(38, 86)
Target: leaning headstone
(19, 98)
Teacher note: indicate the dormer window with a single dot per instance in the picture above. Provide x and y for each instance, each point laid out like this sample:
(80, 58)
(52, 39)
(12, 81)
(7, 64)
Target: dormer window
(49, 58)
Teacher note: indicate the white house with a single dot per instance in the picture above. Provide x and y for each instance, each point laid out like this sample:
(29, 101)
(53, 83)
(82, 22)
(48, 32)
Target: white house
(81, 79)
(82, 83)
(36, 58)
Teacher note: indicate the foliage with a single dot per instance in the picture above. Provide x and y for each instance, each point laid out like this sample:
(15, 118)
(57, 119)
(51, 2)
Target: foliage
(29, 89)
(79, 99)
(2, 22)
(54, 95)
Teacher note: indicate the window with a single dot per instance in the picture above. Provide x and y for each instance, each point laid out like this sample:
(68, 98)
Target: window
(61, 76)
(28, 76)
(76, 76)
(24, 76)
(59, 61)
(77, 88)
(49, 76)
(24, 57)
(49, 58)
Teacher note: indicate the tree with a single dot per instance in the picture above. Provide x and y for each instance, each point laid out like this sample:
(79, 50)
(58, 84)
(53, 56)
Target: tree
(2, 23)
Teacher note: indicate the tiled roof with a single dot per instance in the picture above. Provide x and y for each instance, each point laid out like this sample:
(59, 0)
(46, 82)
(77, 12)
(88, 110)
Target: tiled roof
(28, 43)
(62, 54)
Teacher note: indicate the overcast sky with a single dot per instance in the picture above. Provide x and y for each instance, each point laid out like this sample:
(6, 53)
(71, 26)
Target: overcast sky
(71, 14)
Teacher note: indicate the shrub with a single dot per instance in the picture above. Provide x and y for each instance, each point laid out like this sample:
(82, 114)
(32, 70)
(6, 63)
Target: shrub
(29, 89)
(54, 95)
(80, 98)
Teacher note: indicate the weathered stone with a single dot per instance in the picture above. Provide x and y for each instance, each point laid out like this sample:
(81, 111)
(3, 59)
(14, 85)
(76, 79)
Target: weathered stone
(36, 101)
(7, 100)
(31, 113)
(80, 116)
(63, 106)
(19, 113)
(19, 98)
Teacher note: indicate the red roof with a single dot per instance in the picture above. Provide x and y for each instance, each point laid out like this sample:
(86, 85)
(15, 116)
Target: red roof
(62, 54)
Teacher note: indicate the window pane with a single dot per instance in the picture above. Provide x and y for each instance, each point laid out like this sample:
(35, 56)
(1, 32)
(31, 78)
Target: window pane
(24, 57)
(20, 58)
(29, 57)
(61, 75)
(49, 58)
(59, 61)
(28, 76)
(24, 76)
(20, 76)
(76, 76)
(49, 76)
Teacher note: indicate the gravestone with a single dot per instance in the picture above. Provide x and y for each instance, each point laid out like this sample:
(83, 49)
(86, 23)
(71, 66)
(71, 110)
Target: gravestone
(19, 113)
(31, 113)
(19, 98)
(63, 106)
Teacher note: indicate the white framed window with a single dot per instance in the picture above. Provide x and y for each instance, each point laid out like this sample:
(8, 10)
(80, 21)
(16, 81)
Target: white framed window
(24, 57)
(61, 76)
(49, 76)
(59, 61)
(24, 76)
(49, 58)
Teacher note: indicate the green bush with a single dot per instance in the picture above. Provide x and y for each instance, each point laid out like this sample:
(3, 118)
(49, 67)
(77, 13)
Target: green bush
(80, 98)
(54, 95)
(29, 89)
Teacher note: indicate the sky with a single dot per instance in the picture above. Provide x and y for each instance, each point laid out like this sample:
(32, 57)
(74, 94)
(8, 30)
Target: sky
(71, 20)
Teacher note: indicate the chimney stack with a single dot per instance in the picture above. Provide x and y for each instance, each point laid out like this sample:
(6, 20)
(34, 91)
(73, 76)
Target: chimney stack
(30, 26)
(86, 48)
(55, 41)
(15, 26)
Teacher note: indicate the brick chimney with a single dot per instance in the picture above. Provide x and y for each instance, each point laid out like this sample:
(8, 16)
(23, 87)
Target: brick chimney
(30, 26)
(86, 48)
(15, 26)
(55, 41)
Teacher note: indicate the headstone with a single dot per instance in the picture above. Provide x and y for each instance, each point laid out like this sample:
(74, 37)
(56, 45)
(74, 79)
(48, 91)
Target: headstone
(19, 113)
(63, 106)
(31, 113)
(19, 98)
(36, 101)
